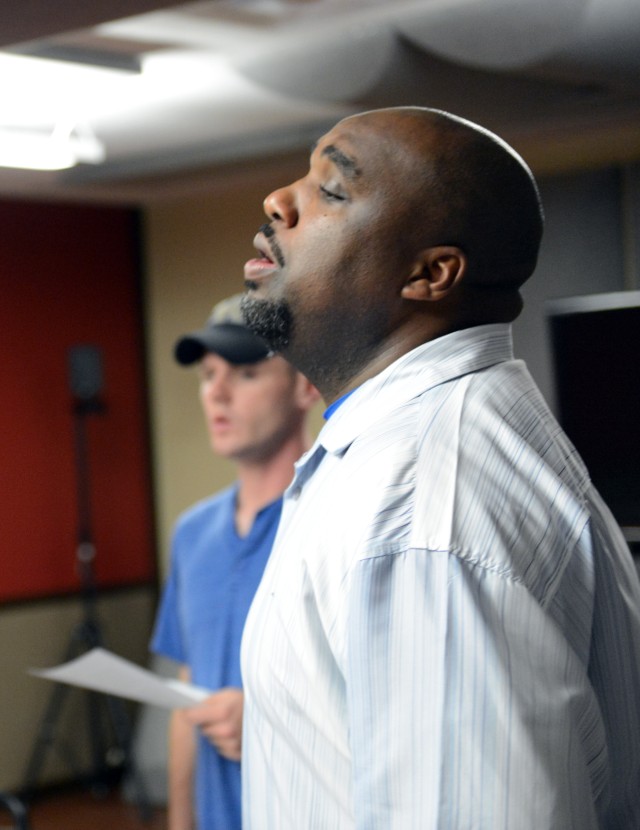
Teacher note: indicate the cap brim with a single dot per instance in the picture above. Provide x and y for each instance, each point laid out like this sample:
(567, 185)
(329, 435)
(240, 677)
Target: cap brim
(232, 342)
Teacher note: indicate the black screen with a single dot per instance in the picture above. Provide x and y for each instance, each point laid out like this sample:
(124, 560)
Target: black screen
(597, 367)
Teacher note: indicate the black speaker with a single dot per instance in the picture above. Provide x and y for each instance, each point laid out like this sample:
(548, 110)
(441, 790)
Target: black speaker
(85, 372)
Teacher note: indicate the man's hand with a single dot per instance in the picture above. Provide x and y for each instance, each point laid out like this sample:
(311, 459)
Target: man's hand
(219, 717)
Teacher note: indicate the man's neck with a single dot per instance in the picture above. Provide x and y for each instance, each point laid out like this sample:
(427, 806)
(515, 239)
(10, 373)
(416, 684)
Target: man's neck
(415, 332)
(336, 385)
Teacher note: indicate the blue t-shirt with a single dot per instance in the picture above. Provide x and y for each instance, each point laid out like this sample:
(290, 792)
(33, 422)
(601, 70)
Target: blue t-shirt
(214, 575)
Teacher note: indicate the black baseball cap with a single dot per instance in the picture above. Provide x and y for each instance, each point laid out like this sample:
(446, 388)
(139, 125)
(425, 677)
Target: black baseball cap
(225, 334)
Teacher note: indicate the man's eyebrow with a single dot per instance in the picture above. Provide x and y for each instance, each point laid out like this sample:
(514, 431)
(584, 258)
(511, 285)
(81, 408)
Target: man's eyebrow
(341, 160)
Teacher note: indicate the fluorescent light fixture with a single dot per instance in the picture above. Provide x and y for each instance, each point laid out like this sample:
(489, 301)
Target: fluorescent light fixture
(27, 149)
(41, 91)
(51, 110)
(34, 152)
(44, 111)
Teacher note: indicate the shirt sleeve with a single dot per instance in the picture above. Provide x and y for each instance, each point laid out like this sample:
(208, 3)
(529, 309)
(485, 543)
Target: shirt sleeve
(167, 639)
(466, 706)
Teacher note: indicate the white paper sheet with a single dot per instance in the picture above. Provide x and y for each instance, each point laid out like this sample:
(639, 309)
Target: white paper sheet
(103, 671)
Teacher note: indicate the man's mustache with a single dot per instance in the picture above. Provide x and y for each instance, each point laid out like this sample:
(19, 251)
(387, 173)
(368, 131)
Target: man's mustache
(270, 235)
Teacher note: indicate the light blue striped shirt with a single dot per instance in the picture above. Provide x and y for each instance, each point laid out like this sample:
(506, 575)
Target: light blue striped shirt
(447, 634)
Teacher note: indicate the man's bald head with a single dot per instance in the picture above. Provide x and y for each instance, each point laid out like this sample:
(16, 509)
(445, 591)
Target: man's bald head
(471, 190)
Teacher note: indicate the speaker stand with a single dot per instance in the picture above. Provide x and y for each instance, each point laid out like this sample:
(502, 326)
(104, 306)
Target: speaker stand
(107, 723)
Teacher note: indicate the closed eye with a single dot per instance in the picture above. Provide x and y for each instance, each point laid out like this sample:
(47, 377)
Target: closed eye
(331, 195)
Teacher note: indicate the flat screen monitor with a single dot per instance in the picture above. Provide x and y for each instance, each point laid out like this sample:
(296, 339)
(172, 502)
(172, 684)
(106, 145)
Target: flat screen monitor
(596, 356)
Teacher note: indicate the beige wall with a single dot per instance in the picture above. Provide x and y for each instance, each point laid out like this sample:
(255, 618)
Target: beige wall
(196, 249)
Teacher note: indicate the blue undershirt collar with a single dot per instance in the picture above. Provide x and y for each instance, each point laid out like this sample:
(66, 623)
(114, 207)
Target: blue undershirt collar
(337, 403)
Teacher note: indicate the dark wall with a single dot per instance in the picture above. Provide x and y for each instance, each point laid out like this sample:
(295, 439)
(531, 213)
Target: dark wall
(69, 275)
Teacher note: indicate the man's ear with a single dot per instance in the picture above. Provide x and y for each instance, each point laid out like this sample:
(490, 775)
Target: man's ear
(435, 273)
(306, 394)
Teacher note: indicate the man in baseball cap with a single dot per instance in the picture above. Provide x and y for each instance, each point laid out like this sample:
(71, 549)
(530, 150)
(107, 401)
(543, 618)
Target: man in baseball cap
(255, 406)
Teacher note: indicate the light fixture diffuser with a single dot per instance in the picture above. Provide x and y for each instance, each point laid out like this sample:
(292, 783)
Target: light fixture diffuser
(32, 150)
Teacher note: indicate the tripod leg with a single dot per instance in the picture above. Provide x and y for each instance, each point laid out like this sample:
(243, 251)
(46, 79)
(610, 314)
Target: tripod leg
(119, 755)
(17, 809)
(122, 730)
(46, 735)
(46, 740)
(98, 741)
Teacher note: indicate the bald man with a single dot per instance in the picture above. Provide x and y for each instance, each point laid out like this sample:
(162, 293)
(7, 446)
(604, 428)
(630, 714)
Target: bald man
(447, 634)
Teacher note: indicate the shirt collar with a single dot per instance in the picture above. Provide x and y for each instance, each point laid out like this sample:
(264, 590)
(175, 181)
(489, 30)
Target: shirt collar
(338, 402)
(433, 363)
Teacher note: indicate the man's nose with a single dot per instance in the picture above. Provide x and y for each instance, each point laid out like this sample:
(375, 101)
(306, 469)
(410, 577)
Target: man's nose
(217, 388)
(280, 205)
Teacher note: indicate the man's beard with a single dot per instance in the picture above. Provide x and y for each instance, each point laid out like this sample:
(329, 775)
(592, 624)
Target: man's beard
(270, 320)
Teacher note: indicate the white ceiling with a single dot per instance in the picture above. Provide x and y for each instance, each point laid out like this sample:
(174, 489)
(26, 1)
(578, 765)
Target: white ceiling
(227, 85)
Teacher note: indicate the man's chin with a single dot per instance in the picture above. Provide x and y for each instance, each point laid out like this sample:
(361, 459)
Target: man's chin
(268, 319)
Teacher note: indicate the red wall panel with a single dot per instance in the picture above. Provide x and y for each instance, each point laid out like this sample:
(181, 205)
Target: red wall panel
(69, 276)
